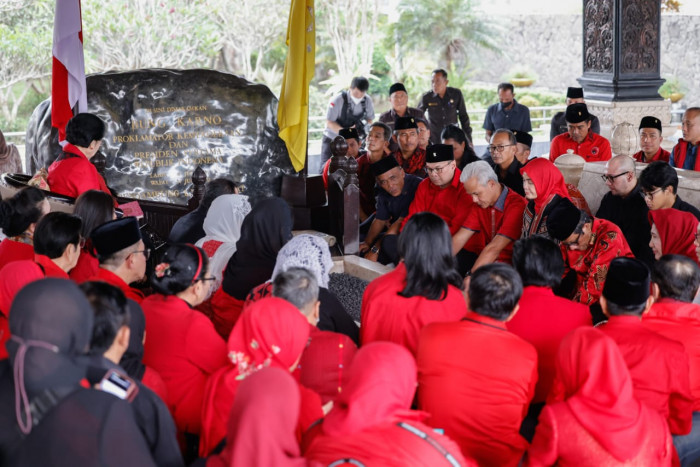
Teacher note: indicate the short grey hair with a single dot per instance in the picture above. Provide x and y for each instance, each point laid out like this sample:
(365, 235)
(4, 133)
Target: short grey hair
(296, 285)
(479, 169)
(503, 131)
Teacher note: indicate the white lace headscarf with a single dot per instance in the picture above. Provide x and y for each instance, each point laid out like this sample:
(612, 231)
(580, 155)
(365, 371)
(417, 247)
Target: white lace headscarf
(223, 224)
(309, 252)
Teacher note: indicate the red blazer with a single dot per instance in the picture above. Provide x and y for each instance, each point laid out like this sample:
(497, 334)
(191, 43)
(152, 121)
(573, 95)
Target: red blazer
(387, 316)
(183, 347)
(681, 322)
(74, 174)
(109, 277)
(476, 380)
(543, 320)
(659, 368)
(11, 250)
(88, 266)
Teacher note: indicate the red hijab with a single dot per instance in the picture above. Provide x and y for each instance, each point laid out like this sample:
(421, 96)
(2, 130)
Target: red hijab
(270, 333)
(262, 423)
(382, 381)
(598, 389)
(676, 230)
(548, 181)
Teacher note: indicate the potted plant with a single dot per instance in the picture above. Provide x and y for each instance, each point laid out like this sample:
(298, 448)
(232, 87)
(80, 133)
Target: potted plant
(672, 89)
(522, 76)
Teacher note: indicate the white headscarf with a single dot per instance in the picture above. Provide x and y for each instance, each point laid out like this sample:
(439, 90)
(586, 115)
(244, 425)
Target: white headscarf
(309, 252)
(223, 224)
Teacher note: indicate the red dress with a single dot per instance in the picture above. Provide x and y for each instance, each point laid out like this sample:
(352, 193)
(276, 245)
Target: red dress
(543, 320)
(593, 148)
(681, 322)
(476, 380)
(386, 316)
(371, 422)
(88, 266)
(182, 346)
(12, 250)
(591, 265)
(109, 277)
(271, 332)
(74, 174)
(594, 418)
(659, 368)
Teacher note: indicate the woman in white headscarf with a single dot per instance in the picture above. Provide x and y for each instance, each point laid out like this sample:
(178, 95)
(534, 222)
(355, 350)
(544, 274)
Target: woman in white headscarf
(222, 227)
(312, 253)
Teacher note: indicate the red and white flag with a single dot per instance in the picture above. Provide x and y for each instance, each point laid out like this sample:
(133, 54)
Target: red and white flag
(68, 77)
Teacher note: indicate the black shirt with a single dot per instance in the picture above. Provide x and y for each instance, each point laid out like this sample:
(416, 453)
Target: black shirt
(189, 228)
(687, 207)
(631, 215)
(443, 111)
(512, 178)
(390, 208)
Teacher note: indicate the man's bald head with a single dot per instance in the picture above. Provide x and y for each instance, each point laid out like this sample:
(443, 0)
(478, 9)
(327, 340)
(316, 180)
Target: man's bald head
(691, 125)
(620, 176)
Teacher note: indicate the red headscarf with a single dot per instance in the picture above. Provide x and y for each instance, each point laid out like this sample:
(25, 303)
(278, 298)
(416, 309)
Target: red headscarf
(269, 333)
(598, 389)
(262, 423)
(676, 230)
(548, 181)
(382, 381)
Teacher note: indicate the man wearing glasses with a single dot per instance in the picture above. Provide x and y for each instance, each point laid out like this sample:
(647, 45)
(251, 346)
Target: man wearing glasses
(624, 206)
(587, 245)
(580, 138)
(659, 183)
(442, 194)
(503, 148)
(685, 153)
(122, 255)
(650, 141)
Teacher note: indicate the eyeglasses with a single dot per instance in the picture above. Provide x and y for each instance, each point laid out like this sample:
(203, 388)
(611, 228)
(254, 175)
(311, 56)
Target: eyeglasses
(499, 148)
(436, 170)
(205, 279)
(146, 252)
(611, 178)
(575, 242)
(650, 194)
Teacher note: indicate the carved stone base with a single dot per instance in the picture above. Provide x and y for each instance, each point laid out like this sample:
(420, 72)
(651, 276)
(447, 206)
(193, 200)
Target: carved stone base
(614, 113)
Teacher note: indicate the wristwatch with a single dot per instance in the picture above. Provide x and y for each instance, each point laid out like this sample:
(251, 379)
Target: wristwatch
(374, 249)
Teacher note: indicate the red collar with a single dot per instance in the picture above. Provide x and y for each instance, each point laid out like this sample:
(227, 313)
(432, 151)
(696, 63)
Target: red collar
(484, 320)
(50, 268)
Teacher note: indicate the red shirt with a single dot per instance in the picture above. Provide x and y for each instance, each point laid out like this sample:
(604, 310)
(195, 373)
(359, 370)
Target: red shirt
(661, 155)
(659, 368)
(591, 265)
(88, 266)
(109, 277)
(183, 347)
(11, 250)
(74, 174)
(387, 316)
(476, 380)
(503, 218)
(679, 321)
(543, 320)
(593, 148)
(451, 203)
(49, 268)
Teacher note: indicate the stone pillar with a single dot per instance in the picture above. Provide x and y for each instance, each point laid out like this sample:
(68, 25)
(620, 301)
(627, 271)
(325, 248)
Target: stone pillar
(621, 62)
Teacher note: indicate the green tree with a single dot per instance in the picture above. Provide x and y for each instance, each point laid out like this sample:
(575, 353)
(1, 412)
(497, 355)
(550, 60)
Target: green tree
(453, 28)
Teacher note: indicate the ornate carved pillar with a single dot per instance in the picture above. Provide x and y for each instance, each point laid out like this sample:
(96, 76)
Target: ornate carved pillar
(621, 61)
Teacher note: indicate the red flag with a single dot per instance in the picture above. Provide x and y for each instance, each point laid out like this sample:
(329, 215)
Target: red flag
(68, 77)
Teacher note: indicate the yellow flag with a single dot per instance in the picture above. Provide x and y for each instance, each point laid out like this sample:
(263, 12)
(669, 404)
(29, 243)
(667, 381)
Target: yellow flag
(293, 110)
